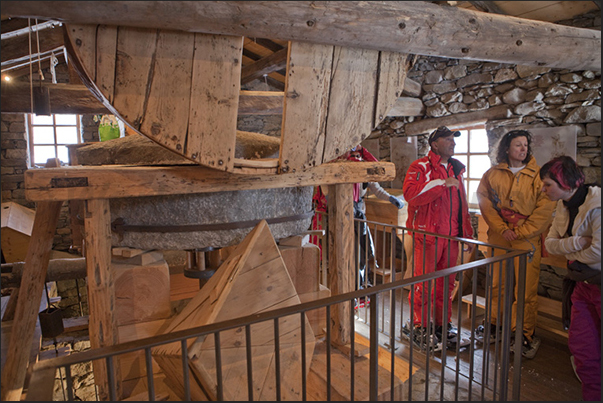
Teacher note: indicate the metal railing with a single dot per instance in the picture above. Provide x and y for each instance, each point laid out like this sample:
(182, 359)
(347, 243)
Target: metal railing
(463, 372)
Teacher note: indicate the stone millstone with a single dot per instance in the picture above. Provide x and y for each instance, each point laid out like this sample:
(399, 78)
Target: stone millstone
(209, 208)
(228, 208)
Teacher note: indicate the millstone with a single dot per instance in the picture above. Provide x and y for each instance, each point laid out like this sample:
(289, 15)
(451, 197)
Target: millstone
(179, 222)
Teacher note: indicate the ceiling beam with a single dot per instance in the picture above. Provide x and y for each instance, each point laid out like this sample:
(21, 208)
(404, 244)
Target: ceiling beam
(18, 47)
(266, 65)
(400, 26)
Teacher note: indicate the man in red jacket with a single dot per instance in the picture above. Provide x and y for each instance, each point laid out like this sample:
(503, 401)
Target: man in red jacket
(437, 203)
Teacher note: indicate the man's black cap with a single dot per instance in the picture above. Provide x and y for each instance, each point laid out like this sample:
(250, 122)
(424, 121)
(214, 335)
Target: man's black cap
(442, 131)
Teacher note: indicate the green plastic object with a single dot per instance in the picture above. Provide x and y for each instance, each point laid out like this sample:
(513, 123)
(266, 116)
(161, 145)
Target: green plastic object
(108, 132)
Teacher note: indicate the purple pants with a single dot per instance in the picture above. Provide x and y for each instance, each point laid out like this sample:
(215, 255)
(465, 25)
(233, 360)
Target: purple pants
(584, 338)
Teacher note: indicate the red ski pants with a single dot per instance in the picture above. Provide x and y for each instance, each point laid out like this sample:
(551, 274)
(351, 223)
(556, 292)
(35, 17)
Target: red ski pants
(427, 259)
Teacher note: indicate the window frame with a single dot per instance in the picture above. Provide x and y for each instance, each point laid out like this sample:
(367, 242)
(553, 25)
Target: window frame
(468, 154)
(55, 144)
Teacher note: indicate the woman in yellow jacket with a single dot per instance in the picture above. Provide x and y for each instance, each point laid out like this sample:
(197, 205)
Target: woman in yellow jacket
(516, 212)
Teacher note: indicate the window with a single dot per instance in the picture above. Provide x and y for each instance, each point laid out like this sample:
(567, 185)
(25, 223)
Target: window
(50, 135)
(472, 150)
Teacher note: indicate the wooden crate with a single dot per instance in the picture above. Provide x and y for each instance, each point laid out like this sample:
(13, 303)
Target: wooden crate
(17, 224)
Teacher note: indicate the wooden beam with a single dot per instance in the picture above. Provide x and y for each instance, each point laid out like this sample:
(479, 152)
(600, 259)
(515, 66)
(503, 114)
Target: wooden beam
(18, 47)
(24, 30)
(64, 98)
(58, 269)
(405, 26)
(98, 182)
(341, 252)
(261, 103)
(460, 119)
(266, 65)
(32, 285)
(102, 320)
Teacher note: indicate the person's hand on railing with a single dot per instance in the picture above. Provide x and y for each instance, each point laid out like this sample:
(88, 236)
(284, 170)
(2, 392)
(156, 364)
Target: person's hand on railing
(509, 235)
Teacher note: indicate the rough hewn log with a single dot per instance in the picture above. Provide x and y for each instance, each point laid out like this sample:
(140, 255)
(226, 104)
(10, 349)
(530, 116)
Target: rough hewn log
(64, 98)
(77, 183)
(460, 119)
(401, 26)
(58, 270)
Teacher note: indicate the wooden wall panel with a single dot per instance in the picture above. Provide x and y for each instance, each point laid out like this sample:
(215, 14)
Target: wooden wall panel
(305, 106)
(351, 100)
(214, 100)
(168, 100)
(135, 50)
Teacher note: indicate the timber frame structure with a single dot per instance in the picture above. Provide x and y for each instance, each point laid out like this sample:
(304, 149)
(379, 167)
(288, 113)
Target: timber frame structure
(324, 112)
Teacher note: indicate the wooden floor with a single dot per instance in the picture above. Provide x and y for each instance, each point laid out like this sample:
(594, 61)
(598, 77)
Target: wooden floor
(547, 377)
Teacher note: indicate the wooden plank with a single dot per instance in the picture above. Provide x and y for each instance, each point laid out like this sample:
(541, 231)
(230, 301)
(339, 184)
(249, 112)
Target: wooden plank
(167, 105)
(305, 106)
(341, 252)
(133, 69)
(406, 27)
(126, 252)
(133, 365)
(82, 40)
(99, 182)
(102, 323)
(303, 265)
(143, 259)
(75, 324)
(214, 101)
(32, 283)
(393, 67)
(106, 56)
(340, 378)
(44, 381)
(353, 86)
(260, 103)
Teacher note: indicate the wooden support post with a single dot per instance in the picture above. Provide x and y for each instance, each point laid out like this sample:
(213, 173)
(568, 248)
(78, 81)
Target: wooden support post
(32, 285)
(341, 250)
(102, 323)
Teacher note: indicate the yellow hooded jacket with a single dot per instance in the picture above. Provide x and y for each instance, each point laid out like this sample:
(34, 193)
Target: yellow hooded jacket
(500, 189)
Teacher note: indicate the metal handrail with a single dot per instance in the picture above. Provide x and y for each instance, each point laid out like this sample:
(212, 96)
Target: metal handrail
(108, 352)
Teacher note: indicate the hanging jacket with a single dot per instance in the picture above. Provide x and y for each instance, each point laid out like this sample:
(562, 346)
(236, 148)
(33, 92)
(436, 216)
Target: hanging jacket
(429, 199)
(586, 223)
(501, 193)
